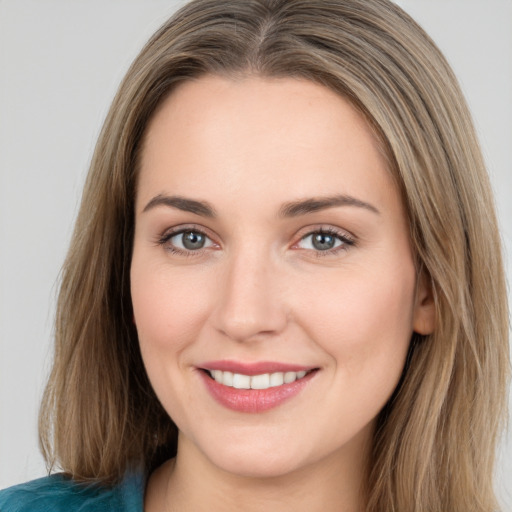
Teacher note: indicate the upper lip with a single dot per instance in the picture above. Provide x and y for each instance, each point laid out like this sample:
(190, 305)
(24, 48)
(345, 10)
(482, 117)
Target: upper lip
(253, 368)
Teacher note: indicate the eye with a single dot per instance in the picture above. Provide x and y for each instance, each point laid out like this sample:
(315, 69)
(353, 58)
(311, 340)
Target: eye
(189, 240)
(185, 241)
(325, 240)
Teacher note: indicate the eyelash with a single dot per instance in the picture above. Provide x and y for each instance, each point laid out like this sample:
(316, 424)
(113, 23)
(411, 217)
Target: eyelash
(346, 241)
(166, 237)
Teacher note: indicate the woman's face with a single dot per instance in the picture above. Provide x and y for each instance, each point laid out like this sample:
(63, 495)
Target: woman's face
(271, 251)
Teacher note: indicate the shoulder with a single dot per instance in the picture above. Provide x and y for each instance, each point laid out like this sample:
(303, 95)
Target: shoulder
(57, 493)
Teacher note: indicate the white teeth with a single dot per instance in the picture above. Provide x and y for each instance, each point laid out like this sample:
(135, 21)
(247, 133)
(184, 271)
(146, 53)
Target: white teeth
(260, 381)
(263, 381)
(241, 381)
(227, 378)
(276, 379)
(289, 377)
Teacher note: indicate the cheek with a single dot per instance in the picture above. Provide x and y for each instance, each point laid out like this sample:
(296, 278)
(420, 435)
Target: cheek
(169, 310)
(169, 313)
(364, 321)
(365, 326)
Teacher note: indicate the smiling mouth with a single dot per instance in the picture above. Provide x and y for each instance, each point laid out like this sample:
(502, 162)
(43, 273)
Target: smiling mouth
(256, 387)
(260, 382)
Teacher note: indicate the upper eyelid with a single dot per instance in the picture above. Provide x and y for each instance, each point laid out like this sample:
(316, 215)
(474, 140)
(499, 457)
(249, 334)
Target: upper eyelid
(326, 228)
(170, 232)
(301, 233)
(337, 234)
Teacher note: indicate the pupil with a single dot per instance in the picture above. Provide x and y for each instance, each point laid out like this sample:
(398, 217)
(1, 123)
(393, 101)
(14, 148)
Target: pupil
(192, 240)
(323, 241)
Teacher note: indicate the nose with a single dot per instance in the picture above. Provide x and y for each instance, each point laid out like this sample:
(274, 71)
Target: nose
(251, 303)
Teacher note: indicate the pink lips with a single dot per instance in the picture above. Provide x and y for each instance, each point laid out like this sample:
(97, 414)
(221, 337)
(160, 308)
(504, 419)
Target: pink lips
(253, 400)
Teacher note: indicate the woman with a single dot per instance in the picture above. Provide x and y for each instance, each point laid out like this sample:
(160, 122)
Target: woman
(282, 246)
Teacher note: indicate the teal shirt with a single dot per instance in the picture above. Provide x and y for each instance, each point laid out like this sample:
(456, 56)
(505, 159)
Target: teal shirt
(56, 493)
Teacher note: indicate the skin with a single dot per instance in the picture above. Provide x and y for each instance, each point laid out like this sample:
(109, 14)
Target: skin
(260, 291)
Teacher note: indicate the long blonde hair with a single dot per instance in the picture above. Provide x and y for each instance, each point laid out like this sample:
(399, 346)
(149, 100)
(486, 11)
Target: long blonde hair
(435, 443)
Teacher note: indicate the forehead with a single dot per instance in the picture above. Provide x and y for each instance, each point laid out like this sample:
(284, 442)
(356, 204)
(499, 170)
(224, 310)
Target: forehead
(260, 138)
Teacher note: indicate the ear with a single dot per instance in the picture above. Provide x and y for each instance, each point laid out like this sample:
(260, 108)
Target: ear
(424, 317)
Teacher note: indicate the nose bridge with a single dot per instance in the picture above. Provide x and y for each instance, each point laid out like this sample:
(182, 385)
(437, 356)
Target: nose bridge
(250, 301)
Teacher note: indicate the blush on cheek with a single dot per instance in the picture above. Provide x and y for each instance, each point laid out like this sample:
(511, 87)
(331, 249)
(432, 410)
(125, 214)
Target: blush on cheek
(168, 310)
(366, 318)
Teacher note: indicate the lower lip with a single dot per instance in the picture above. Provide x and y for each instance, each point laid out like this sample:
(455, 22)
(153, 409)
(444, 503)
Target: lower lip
(254, 400)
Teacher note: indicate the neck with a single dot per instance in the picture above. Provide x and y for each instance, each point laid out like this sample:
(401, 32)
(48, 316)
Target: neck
(191, 482)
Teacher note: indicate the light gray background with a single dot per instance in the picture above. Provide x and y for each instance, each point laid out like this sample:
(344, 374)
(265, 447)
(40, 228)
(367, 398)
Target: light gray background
(60, 64)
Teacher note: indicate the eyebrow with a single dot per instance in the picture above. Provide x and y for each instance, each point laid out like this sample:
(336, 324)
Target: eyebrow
(311, 205)
(291, 209)
(201, 208)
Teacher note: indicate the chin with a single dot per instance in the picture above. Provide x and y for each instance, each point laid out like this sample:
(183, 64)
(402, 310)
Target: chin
(260, 466)
(257, 458)
(243, 452)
